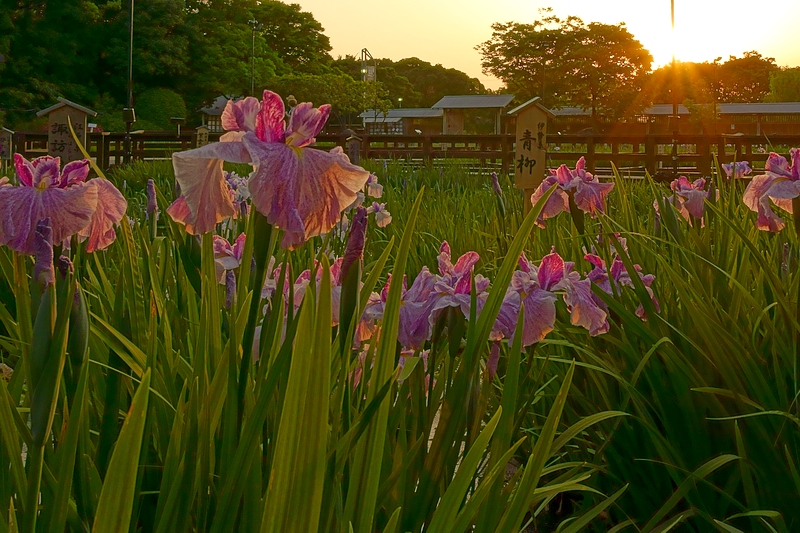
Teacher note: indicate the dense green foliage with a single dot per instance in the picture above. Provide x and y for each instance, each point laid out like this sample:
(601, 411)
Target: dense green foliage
(568, 62)
(198, 50)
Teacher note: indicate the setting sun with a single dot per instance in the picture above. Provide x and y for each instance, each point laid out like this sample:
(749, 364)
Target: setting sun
(450, 29)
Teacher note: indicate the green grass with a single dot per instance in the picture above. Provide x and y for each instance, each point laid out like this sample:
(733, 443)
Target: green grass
(688, 420)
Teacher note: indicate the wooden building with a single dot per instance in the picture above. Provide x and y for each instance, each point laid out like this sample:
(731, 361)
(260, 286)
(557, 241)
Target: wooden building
(780, 118)
(456, 110)
(409, 121)
(211, 116)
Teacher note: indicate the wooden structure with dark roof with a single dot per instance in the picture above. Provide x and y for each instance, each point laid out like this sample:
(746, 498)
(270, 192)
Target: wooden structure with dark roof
(402, 121)
(211, 116)
(453, 108)
(778, 118)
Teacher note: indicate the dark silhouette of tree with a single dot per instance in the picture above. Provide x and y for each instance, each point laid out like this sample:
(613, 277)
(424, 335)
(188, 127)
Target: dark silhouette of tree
(568, 62)
(746, 78)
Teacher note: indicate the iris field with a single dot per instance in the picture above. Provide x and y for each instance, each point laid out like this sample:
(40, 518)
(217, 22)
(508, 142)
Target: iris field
(622, 368)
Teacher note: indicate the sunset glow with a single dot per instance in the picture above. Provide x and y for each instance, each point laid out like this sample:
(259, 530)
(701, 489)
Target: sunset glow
(447, 31)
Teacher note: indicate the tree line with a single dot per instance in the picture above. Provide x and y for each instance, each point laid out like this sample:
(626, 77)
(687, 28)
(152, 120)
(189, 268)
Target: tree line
(185, 54)
(605, 69)
(188, 52)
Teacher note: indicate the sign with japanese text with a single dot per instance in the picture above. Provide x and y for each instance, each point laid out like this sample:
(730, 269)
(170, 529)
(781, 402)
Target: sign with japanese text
(6, 146)
(59, 140)
(202, 136)
(531, 149)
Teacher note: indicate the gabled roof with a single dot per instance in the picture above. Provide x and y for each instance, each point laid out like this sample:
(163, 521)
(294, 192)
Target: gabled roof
(474, 101)
(64, 102)
(7, 130)
(218, 105)
(771, 108)
(408, 112)
(536, 101)
(664, 109)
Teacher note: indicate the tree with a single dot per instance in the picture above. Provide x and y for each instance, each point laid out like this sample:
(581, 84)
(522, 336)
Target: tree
(433, 82)
(784, 86)
(158, 106)
(608, 65)
(529, 58)
(567, 62)
(396, 86)
(346, 96)
(294, 35)
(746, 79)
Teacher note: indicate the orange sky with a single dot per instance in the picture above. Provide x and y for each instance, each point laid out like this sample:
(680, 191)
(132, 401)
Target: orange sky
(446, 31)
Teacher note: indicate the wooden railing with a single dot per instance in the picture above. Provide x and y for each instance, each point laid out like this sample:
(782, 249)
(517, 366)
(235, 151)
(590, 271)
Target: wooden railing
(632, 155)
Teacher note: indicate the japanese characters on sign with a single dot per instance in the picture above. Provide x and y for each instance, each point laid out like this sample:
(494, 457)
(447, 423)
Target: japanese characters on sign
(530, 155)
(6, 144)
(59, 140)
(202, 136)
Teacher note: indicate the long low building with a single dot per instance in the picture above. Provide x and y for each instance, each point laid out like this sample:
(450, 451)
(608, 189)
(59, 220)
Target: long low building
(409, 121)
(779, 118)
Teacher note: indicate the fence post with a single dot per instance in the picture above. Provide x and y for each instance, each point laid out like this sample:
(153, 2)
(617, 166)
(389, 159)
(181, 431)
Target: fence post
(99, 155)
(650, 154)
(427, 150)
(590, 154)
(704, 155)
(505, 150)
(721, 155)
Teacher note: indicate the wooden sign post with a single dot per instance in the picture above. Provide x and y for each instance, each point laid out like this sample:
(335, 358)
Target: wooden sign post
(6, 144)
(530, 156)
(6, 150)
(59, 139)
(201, 136)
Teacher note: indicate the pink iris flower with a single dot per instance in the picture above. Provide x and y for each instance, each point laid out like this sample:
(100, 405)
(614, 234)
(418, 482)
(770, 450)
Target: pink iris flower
(416, 305)
(737, 170)
(535, 287)
(300, 190)
(589, 193)
(453, 286)
(111, 207)
(688, 198)
(227, 256)
(374, 189)
(74, 206)
(780, 184)
(382, 215)
(602, 277)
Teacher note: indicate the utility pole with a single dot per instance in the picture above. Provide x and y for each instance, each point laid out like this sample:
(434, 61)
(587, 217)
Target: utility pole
(255, 26)
(128, 114)
(675, 116)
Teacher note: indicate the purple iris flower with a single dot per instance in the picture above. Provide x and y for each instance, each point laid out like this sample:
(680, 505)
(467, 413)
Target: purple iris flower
(374, 189)
(535, 287)
(688, 198)
(602, 277)
(300, 190)
(382, 215)
(780, 184)
(152, 204)
(73, 205)
(227, 256)
(588, 192)
(737, 170)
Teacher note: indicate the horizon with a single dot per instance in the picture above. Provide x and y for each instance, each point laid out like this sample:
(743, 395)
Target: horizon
(453, 45)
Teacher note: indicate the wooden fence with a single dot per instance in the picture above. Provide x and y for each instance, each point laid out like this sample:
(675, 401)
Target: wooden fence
(632, 155)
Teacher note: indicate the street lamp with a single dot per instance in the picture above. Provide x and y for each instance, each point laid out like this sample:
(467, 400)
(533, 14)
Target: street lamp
(255, 26)
(400, 101)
